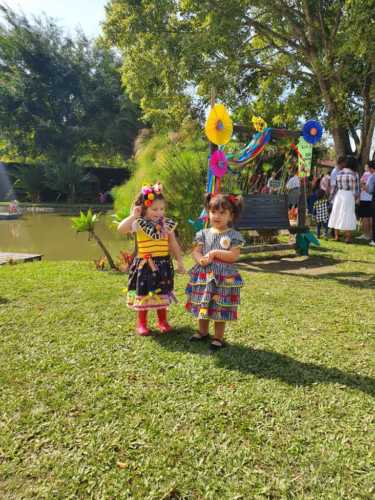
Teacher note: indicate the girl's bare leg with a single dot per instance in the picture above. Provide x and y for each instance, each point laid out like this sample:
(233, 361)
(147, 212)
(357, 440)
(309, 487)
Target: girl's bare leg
(366, 226)
(203, 327)
(337, 234)
(202, 333)
(219, 331)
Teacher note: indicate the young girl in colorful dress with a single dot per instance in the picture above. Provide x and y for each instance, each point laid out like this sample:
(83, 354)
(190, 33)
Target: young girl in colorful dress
(214, 288)
(150, 284)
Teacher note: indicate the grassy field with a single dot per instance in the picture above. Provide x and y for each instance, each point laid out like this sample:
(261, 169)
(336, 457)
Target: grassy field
(89, 410)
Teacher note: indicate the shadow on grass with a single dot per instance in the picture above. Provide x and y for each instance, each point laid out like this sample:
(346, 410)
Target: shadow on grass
(315, 267)
(272, 264)
(267, 364)
(3, 300)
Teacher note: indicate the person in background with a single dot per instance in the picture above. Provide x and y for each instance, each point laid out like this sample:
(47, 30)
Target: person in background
(364, 212)
(273, 184)
(321, 213)
(13, 207)
(293, 189)
(345, 194)
(312, 192)
(370, 188)
(341, 163)
(325, 182)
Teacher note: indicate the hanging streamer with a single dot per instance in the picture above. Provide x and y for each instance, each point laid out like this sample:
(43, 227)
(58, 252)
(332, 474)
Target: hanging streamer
(252, 150)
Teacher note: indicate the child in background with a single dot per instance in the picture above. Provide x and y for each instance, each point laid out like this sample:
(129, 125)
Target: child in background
(213, 292)
(273, 184)
(321, 213)
(150, 285)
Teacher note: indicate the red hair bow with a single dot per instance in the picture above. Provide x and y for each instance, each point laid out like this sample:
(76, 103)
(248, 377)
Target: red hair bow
(232, 198)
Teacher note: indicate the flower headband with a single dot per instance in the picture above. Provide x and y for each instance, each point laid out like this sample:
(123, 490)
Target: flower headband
(230, 197)
(149, 193)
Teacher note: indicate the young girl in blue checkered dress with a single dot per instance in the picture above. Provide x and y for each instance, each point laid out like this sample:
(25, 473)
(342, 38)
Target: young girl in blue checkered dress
(213, 292)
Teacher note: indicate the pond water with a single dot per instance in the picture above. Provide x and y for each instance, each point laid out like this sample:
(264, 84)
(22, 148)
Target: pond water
(52, 236)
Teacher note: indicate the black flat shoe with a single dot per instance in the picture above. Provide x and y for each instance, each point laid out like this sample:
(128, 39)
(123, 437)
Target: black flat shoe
(197, 337)
(216, 345)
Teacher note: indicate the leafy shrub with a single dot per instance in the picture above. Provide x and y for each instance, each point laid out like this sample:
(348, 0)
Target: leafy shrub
(179, 161)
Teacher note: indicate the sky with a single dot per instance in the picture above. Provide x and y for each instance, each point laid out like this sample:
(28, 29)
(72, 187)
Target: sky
(69, 14)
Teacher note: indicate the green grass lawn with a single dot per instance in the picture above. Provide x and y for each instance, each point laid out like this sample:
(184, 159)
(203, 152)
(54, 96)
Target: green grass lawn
(89, 410)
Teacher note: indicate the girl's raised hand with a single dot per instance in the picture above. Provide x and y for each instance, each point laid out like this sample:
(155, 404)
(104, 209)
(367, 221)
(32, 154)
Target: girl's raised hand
(137, 211)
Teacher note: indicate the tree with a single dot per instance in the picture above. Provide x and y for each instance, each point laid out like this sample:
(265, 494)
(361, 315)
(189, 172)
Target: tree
(61, 98)
(86, 223)
(283, 58)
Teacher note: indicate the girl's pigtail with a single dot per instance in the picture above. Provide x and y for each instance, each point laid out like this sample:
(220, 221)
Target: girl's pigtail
(237, 203)
(207, 199)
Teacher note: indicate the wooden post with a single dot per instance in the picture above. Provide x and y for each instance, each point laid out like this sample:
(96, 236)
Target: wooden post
(301, 221)
(213, 147)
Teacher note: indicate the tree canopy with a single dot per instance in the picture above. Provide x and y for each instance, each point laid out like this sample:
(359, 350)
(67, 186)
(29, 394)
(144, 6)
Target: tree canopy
(61, 98)
(283, 59)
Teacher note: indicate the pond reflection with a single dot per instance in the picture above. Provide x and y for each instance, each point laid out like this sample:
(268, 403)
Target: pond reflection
(52, 236)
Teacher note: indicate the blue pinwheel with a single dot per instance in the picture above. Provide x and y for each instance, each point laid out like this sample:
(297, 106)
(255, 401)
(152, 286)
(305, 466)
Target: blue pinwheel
(312, 131)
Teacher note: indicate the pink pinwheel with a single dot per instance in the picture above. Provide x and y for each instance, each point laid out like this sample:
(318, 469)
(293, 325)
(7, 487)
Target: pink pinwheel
(218, 163)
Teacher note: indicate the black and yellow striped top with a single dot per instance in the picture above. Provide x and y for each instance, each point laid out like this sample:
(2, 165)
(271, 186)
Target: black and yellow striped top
(152, 238)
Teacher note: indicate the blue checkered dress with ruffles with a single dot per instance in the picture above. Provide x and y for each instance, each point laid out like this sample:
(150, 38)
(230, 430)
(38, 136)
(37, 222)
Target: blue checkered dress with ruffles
(213, 291)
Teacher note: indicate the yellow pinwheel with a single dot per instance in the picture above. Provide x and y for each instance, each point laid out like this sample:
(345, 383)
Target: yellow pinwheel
(258, 123)
(219, 126)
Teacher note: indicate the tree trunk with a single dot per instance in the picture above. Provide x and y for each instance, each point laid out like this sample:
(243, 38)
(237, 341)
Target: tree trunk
(341, 140)
(106, 253)
(366, 142)
(340, 134)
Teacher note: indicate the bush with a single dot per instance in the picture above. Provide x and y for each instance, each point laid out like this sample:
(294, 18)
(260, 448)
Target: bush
(179, 161)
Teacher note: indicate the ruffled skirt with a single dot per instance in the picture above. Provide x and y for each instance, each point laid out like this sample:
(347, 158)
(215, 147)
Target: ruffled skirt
(213, 292)
(150, 284)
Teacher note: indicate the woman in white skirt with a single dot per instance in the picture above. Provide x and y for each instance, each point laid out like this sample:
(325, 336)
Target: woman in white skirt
(343, 216)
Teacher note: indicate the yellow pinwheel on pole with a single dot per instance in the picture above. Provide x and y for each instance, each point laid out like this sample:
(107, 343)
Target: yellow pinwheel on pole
(219, 126)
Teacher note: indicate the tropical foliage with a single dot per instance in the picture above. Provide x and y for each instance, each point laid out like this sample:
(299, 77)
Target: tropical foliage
(86, 223)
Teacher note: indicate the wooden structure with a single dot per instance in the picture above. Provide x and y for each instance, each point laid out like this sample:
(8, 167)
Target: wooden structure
(270, 212)
(15, 258)
(277, 134)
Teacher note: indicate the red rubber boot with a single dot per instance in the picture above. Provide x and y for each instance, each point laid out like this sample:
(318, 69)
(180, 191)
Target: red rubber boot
(142, 324)
(163, 324)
